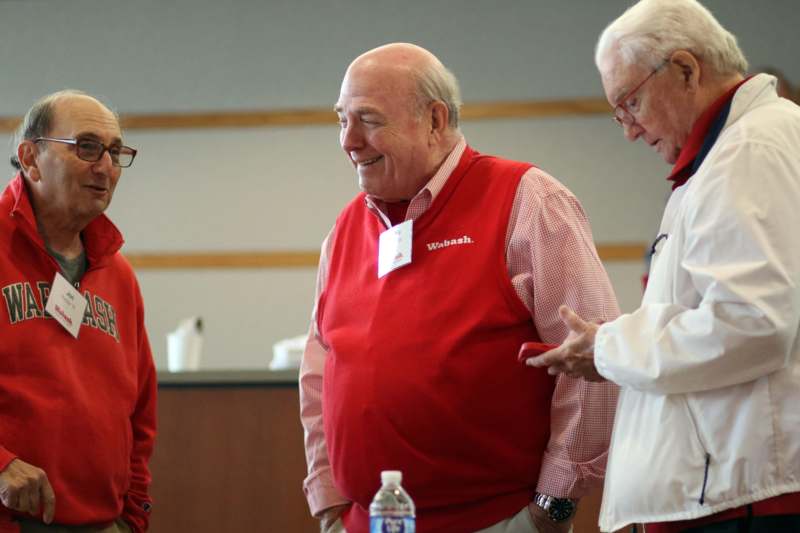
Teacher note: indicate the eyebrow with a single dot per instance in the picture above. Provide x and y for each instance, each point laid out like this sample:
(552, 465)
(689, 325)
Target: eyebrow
(364, 110)
(95, 137)
(622, 92)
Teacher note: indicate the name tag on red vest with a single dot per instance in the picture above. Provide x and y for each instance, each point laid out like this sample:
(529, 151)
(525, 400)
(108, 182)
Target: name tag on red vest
(394, 247)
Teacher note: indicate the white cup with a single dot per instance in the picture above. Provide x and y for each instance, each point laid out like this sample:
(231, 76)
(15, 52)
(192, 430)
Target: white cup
(183, 351)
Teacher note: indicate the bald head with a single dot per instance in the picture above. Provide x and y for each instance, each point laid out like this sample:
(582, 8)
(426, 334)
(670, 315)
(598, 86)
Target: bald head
(412, 70)
(39, 119)
(401, 57)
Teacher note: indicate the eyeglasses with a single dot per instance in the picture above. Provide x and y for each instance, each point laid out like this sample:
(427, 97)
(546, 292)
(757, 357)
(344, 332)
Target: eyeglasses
(91, 150)
(622, 115)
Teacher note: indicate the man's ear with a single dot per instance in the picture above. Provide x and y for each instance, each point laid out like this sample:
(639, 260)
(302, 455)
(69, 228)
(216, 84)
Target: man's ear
(440, 116)
(26, 154)
(688, 68)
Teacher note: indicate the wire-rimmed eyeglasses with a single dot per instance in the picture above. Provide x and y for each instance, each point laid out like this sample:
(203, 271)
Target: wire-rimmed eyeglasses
(624, 116)
(91, 150)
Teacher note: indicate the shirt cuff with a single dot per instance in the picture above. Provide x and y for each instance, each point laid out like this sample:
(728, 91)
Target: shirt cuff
(321, 493)
(564, 479)
(601, 340)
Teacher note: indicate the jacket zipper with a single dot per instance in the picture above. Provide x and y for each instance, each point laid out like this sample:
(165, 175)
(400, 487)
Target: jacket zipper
(702, 498)
(705, 479)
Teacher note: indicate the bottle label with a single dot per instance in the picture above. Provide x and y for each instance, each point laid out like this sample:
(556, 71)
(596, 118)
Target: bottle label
(391, 524)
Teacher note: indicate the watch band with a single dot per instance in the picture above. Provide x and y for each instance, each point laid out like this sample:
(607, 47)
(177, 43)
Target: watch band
(557, 509)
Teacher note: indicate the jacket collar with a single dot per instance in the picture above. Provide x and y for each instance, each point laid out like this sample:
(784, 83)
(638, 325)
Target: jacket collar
(702, 137)
(101, 238)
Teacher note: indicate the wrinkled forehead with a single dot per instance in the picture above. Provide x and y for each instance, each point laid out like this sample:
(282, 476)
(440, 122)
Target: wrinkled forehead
(76, 115)
(370, 80)
(619, 77)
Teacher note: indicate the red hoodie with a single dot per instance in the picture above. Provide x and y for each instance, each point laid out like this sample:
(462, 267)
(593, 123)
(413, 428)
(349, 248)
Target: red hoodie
(83, 410)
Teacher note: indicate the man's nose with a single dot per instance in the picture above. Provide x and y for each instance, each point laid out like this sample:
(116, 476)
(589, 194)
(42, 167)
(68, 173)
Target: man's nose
(105, 163)
(351, 137)
(632, 131)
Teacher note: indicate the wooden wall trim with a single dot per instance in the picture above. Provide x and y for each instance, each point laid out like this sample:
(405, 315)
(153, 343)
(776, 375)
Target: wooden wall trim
(300, 259)
(9, 124)
(222, 260)
(534, 108)
(323, 116)
(629, 251)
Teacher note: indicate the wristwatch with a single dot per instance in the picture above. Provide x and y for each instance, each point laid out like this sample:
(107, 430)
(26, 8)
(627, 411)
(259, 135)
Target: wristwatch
(558, 509)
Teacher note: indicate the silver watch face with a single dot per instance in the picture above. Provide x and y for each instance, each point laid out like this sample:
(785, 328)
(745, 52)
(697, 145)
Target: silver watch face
(560, 509)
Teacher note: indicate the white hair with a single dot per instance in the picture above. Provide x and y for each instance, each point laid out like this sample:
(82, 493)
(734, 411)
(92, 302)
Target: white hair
(651, 30)
(435, 83)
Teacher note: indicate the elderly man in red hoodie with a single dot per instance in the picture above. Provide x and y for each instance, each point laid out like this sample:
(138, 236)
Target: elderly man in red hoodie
(429, 282)
(77, 380)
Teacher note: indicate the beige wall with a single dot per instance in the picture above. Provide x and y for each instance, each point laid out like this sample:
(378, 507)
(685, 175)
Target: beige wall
(280, 188)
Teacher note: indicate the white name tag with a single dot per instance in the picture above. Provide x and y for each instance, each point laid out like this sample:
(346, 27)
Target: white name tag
(394, 247)
(66, 304)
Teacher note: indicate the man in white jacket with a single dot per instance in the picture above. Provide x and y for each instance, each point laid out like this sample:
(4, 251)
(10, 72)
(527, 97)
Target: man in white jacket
(707, 430)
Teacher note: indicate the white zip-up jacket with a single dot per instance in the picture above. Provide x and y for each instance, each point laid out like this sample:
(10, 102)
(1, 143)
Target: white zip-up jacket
(708, 417)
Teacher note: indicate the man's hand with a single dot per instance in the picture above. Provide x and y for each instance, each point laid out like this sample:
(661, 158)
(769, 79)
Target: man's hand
(575, 356)
(25, 488)
(544, 524)
(328, 518)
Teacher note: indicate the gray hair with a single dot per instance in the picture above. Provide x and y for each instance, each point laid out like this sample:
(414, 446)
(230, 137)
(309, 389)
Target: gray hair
(39, 120)
(649, 31)
(435, 83)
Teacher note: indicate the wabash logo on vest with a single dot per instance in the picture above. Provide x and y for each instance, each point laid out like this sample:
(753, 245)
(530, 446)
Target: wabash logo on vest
(22, 304)
(449, 242)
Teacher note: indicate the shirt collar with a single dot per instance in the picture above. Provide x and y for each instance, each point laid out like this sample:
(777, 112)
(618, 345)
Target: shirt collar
(425, 197)
(683, 168)
(436, 183)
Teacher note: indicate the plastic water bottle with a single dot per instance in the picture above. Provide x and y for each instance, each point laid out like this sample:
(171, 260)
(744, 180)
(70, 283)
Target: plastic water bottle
(392, 510)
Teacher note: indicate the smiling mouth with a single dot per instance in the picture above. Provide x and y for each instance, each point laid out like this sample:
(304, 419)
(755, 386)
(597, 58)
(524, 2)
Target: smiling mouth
(368, 162)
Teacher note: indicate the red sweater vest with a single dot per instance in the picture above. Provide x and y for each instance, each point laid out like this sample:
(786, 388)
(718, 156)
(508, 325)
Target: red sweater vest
(422, 373)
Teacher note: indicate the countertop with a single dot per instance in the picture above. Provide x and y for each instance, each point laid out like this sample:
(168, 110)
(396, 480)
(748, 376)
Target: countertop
(228, 378)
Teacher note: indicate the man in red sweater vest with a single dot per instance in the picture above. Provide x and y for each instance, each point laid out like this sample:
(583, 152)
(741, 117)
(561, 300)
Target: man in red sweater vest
(429, 282)
(707, 434)
(77, 380)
